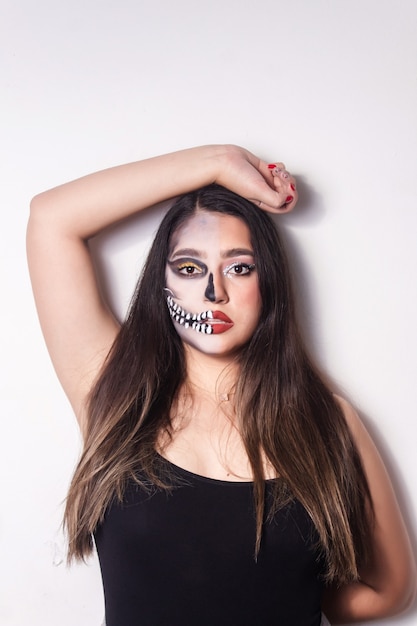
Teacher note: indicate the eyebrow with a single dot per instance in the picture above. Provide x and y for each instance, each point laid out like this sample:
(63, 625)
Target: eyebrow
(227, 254)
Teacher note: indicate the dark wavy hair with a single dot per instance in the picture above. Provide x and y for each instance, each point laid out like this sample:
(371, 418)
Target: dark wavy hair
(284, 409)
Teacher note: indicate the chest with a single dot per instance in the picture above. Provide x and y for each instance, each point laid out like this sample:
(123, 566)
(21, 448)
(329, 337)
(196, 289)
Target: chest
(210, 447)
(195, 545)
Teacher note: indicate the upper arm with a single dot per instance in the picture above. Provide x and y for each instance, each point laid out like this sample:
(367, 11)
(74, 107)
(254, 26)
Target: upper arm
(388, 581)
(78, 327)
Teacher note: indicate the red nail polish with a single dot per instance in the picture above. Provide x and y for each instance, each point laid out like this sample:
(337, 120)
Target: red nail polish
(272, 166)
(289, 199)
(292, 187)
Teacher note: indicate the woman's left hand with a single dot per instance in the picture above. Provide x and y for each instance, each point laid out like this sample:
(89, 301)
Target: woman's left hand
(270, 186)
(285, 185)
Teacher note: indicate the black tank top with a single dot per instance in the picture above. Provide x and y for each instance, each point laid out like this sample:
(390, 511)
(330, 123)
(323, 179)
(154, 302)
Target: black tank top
(186, 558)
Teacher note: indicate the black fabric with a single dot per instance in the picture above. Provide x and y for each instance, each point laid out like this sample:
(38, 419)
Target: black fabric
(186, 558)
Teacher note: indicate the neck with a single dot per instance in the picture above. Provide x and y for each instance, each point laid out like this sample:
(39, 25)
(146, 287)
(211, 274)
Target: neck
(210, 375)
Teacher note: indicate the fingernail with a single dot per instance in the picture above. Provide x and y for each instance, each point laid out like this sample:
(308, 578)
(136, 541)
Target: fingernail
(272, 166)
(289, 199)
(292, 187)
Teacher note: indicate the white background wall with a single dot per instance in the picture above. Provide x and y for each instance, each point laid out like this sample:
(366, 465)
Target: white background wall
(328, 86)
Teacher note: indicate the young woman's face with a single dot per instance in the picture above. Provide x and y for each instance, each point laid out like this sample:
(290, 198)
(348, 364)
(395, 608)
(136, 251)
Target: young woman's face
(212, 283)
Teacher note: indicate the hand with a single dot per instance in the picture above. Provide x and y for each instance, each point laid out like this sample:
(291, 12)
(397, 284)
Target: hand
(285, 185)
(269, 186)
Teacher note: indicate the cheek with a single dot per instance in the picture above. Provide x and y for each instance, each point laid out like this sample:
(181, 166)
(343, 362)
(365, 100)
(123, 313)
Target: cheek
(184, 289)
(251, 298)
(173, 283)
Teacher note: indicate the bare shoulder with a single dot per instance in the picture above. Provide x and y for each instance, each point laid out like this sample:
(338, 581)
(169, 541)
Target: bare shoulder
(351, 415)
(356, 426)
(375, 470)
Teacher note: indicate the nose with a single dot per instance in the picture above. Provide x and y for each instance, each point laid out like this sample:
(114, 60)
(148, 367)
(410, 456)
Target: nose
(215, 290)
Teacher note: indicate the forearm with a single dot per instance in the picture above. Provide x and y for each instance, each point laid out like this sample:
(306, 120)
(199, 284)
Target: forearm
(88, 205)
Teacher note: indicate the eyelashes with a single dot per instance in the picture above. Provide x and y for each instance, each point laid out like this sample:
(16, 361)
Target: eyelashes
(188, 267)
(239, 269)
(194, 269)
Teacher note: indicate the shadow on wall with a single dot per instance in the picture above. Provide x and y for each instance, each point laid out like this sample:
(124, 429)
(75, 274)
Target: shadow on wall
(308, 213)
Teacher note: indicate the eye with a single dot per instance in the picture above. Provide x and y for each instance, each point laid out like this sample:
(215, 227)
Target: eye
(189, 269)
(239, 269)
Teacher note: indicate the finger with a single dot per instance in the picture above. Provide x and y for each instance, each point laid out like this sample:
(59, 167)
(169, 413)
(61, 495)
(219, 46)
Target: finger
(278, 170)
(290, 202)
(284, 208)
(281, 173)
(278, 165)
(285, 185)
(281, 182)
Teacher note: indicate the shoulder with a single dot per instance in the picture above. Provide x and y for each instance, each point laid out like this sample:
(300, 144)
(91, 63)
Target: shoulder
(373, 465)
(356, 427)
(351, 415)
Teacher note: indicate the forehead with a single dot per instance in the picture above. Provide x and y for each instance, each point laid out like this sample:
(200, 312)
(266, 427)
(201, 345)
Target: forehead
(210, 231)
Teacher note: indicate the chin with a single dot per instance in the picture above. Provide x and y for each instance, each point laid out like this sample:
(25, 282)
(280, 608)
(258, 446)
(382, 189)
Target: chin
(213, 346)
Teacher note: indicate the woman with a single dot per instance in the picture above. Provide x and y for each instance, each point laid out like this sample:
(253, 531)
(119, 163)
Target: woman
(222, 480)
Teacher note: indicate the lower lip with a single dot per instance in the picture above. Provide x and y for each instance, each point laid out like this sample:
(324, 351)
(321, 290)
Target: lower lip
(222, 327)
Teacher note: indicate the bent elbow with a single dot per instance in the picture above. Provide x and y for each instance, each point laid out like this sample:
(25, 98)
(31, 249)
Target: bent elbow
(403, 596)
(411, 587)
(410, 594)
(38, 205)
(35, 224)
(45, 216)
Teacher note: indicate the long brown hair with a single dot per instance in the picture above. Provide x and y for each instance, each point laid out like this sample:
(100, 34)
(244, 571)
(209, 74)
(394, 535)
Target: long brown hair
(284, 409)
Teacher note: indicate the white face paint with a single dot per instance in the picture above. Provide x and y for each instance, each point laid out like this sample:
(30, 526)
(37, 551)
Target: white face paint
(200, 322)
(212, 285)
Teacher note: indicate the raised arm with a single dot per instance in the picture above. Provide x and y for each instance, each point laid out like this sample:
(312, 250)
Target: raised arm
(388, 583)
(78, 327)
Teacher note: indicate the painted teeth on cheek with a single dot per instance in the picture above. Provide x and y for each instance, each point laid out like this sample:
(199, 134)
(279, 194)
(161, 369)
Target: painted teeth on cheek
(190, 320)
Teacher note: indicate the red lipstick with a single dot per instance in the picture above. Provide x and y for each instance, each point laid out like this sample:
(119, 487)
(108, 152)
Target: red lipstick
(219, 315)
(222, 325)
